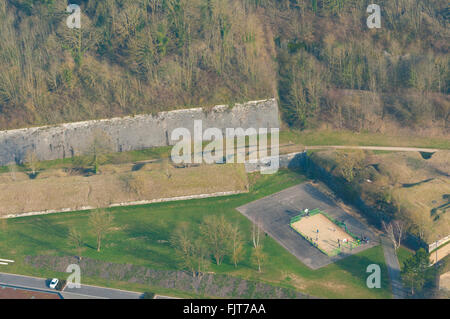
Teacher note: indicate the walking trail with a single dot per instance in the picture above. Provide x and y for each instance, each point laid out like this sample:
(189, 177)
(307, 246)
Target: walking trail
(393, 267)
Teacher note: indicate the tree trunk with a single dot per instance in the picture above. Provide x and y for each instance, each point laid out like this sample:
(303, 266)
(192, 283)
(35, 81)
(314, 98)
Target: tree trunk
(98, 243)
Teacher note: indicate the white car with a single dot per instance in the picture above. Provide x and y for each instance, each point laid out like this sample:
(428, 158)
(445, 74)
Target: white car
(53, 283)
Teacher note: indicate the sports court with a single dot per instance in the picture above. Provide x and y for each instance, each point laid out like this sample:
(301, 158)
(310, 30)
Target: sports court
(275, 213)
(322, 232)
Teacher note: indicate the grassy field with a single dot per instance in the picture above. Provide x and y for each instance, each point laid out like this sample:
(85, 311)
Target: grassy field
(141, 232)
(326, 137)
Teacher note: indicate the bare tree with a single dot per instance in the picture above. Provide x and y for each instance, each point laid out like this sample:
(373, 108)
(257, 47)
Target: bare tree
(31, 163)
(259, 257)
(256, 233)
(237, 249)
(76, 241)
(12, 171)
(165, 167)
(99, 146)
(216, 233)
(101, 223)
(192, 251)
(394, 230)
(79, 41)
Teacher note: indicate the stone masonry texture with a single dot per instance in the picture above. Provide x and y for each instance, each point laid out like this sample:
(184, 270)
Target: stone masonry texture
(131, 133)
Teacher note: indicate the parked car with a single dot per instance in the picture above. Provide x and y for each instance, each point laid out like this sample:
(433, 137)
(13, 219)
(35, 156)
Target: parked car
(53, 283)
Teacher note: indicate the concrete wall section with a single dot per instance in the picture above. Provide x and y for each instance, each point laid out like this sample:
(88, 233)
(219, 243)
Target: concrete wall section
(131, 133)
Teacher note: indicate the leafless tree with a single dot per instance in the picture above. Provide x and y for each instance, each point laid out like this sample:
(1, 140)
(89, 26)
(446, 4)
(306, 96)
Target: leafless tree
(237, 245)
(394, 230)
(31, 162)
(190, 250)
(216, 233)
(256, 233)
(99, 146)
(76, 241)
(101, 223)
(12, 171)
(259, 257)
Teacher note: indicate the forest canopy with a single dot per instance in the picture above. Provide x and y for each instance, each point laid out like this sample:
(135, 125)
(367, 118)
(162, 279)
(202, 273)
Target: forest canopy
(317, 57)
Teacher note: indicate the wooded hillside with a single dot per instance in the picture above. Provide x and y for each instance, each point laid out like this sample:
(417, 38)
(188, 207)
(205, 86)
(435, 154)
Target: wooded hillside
(318, 57)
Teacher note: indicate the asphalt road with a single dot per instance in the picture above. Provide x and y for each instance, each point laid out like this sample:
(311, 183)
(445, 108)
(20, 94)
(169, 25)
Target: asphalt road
(100, 292)
(393, 267)
(84, 292)
(24, 281)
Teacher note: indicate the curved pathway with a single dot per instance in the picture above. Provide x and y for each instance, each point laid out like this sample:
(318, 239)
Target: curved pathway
(393, 267)
(376, 148)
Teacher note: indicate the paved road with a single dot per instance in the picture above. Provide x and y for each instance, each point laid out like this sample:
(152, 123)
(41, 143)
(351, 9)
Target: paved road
(100, 292)
(85, 292)
(24, 281)
(393, 268)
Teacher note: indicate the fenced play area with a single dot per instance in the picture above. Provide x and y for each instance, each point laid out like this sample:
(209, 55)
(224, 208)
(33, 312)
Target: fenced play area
(325, 233)
(279, 213)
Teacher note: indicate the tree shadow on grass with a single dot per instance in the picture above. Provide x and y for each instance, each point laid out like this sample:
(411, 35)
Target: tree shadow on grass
(150, 239)
(357, 265)
(46, 225)
(40, 244)
(89, 246)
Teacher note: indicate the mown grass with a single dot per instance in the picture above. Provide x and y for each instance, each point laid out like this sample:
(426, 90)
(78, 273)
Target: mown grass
(342, 137)
(142, 231)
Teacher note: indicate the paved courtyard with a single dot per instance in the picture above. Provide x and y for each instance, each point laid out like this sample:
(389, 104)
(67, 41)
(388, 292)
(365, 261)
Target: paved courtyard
(273, 213)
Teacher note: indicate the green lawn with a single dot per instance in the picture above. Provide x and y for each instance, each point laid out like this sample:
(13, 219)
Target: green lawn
(403, 254)
(140, 230)
(327, 137)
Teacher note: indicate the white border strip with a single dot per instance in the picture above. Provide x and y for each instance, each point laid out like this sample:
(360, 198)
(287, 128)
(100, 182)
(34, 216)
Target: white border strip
(6, 260)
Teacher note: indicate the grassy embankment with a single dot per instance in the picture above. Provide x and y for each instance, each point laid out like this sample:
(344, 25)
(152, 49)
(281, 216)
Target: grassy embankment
(141, 231)
(290, 141)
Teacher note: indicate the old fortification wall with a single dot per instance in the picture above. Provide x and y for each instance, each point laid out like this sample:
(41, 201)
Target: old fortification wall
(131, 133)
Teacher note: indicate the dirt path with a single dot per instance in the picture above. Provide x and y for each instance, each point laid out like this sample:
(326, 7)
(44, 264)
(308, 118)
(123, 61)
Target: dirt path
(377, 148)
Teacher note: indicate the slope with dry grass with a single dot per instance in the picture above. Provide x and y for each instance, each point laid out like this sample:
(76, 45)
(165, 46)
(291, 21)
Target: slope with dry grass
(57, 189)
(412, 187)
